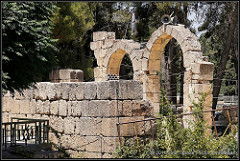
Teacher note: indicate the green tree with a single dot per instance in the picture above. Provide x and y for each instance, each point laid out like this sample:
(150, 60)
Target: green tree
(72, 21)
(27, 43)
(221, 25)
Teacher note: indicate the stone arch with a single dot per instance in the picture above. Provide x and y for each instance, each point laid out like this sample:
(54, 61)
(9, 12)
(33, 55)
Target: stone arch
(115, 55)
(146, 63)
(195, 79)
(110, 52)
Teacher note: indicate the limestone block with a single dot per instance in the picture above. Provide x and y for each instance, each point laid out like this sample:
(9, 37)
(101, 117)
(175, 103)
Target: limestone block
(62, 104)
(40, 91)
(188, 75)
(28, 93)
(69, 124)
(202, 88)
(94, 144)
(53, 138)
(50, 90)
(127, 108)
(203, 70)
(88, 126)
(202, 67)
(128, 129)
(169, 29)
(73, 91)
(65, 90)
(14, 106)
(79, 108)
(109, 144)
(107, 90)
(109, 127)
(101, 108)
(116, 109)
(18, 95)
(107, 43)
(136, 54)
(102, 35)
(141, 108)
(107, 155)
(77, 91)
(176, 30)
(148, 129)
(83, 143)
(137, 64)
(103, 53)
(191, 57)
(155, 106)
(54, 108)
(98, 72)
(90, 90)
(57, 124)
(190, 44)
(76, 74)
(64, 73)
(96, 45)
(5, 103)
(5, 117)
(130, 89)
(24, 106)
(39, 107)
(66, 141)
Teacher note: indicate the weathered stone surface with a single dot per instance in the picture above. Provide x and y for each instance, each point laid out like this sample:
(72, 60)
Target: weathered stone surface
(62, 108)
(107, 90)
(109, 127)
(141, 108)
(79, 108)
(109, 144)
(24, 106)
(69, 124)
(202, 69)
(90, 90)
(57, 124)
(130, 90)
(88, 126)
(6, 103)
(54, 108)
(5, 117)
(102, 35)
(191, 57)
(65, 89)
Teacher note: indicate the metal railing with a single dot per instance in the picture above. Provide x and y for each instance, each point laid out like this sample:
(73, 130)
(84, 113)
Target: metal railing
(24, 130)
(189, 113)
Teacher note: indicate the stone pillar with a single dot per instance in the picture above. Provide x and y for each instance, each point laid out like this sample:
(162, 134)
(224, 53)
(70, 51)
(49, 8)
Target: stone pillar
(102, 41)
(196, 82)
(66, 75)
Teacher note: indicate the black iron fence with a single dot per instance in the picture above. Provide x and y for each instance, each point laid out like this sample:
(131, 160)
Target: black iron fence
(24, 130)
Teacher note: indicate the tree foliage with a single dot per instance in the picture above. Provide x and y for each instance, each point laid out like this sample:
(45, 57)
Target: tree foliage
(27, 43)
(220, 41)
(72, 23)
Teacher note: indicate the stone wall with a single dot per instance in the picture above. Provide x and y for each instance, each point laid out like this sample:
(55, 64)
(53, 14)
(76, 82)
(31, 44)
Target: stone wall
(83, 114)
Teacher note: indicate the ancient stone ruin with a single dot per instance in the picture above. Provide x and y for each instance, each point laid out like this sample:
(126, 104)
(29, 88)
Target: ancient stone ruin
(83, 115)
(109, 53)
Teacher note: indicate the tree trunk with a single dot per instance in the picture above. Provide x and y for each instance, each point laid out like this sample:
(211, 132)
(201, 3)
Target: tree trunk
(224, 58)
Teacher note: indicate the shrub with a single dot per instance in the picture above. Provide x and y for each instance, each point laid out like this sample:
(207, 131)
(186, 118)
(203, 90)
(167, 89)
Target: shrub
(174, 141)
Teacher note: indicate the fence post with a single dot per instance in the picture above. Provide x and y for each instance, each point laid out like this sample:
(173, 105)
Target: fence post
(214, 125)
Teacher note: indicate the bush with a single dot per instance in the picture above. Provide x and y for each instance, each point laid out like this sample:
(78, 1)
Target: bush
(174, 141)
